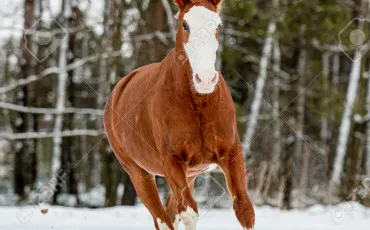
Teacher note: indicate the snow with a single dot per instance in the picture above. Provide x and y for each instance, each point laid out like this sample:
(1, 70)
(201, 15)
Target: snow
(343, 216)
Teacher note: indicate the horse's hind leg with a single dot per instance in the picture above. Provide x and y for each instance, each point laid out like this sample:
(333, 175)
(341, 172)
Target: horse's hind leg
(146, 189)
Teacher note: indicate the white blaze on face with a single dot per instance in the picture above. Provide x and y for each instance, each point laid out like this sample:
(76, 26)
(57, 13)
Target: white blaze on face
(202, 46)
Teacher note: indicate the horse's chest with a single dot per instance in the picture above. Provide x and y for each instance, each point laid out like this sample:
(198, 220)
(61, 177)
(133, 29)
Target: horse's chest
(202, 136)
(197, 130)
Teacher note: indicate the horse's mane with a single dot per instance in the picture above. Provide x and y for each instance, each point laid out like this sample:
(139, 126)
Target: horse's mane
(215, 3)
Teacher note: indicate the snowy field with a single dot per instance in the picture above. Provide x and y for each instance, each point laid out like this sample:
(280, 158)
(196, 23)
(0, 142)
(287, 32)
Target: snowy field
(344, 216)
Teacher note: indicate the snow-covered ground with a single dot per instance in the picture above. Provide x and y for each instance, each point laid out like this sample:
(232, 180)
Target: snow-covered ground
(344, 216)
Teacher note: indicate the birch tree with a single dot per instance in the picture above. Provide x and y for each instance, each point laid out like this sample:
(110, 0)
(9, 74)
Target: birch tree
(345, 127)
(60, 98)
(71, 148)
(260, 84)
(324, 133)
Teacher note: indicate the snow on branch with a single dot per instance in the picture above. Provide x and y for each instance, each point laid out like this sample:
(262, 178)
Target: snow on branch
(24, 109)
(41, 135)
(55, 70)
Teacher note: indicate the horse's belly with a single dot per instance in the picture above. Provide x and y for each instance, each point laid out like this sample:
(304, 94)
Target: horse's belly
(201, 169)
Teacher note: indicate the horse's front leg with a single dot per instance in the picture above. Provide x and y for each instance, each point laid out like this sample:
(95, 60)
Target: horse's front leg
(233, 168)
(181, 187)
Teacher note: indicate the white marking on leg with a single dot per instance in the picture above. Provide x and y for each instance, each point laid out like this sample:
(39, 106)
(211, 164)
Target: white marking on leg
(212, 167)
(162, 225)
(177, 222)
(248, 228)
(190, 218)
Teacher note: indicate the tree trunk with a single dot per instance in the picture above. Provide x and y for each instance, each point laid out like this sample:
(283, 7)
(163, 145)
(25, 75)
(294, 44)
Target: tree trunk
(368, 125)
(110, 174)
(287, 175)
(25, 155)
(276, 148)
(305, 169)
(300, 106)
(345, 127)
(70, 144)
(61, 97)
(324, 133)
(333, 129)
(129, 195)
(260, 84)
(351, 175)
(111, 168)
(153, 50)
(301, 100)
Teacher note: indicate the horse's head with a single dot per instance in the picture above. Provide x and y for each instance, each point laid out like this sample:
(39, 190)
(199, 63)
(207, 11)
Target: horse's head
(197, 34)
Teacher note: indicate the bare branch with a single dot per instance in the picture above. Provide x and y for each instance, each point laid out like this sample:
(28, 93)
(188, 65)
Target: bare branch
(24, 109)
(55, 70)
(41, 135)
(150, 36)
(48, 33)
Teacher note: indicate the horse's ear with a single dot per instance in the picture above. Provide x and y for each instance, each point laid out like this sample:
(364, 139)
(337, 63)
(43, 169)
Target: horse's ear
(217, 3)
(177, 15)
(181, 3)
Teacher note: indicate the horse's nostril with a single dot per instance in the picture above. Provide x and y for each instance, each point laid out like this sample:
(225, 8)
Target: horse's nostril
(197, 79)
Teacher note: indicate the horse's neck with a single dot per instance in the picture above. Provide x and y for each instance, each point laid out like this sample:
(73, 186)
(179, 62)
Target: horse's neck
(178, 75)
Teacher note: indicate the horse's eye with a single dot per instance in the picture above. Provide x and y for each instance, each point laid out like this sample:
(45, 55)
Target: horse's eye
(186, 27)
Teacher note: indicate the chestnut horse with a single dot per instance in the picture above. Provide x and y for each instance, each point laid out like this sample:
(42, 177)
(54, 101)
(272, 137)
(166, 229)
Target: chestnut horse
(176, 118)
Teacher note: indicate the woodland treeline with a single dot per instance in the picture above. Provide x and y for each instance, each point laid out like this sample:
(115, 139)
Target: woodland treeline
(299, 73)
